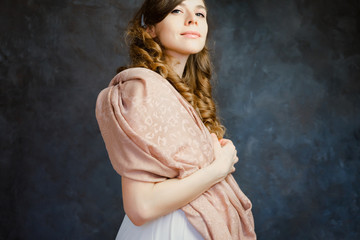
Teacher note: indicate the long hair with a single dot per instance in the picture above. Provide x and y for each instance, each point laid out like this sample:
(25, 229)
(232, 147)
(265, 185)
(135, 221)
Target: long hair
(147, 52)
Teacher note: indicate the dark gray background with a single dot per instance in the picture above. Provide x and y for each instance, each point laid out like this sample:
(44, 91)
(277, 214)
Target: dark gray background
(287, 86)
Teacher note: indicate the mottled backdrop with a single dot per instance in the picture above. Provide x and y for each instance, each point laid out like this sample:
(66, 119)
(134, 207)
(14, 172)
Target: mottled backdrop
(287, 86)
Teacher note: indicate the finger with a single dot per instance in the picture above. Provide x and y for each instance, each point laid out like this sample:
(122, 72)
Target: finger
(224, 141)
(215, 141)
(229, 146)
(234, 152)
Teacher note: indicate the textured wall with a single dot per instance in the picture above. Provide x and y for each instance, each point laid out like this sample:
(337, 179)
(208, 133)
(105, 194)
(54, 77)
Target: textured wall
(288, 89)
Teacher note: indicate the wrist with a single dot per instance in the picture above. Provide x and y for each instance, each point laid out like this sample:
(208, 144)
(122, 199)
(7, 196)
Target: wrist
(216, 173)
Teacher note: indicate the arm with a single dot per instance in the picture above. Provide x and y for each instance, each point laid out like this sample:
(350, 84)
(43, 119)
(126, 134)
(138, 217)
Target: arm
(145, 201)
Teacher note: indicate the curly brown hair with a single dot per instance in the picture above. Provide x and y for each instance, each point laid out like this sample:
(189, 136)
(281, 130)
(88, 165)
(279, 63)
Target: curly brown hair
(147, 52)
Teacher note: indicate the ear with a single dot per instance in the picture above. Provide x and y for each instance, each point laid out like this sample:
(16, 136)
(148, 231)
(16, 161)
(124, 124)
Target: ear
(151, 31)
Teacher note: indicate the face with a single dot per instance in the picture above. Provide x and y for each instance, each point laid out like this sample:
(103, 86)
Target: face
(183, 31)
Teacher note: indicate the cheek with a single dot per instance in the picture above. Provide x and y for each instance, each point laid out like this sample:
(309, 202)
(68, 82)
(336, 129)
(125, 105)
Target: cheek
(164, 34)
(163, 38)
(204, 29)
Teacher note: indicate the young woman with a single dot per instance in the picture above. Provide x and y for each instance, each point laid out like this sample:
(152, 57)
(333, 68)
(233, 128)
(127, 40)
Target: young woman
(159, 123)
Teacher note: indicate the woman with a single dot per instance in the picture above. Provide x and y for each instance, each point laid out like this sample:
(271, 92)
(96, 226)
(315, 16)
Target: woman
(160, 128)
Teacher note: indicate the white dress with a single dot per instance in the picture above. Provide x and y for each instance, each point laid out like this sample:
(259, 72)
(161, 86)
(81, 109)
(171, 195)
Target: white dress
(173, 226)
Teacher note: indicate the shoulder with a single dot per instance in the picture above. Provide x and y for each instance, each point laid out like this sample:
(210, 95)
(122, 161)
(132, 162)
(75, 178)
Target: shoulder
(142, 83)
(136, 83)
(134, 74)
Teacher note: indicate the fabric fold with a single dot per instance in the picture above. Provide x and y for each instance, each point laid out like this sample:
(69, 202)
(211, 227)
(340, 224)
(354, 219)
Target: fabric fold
(152, 133)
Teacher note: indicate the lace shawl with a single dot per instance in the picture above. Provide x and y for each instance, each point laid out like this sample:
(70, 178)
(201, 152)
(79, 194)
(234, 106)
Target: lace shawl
(152, 133)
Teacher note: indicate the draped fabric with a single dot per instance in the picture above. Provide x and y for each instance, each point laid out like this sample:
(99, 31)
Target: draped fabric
(172, 226)
(152, 134)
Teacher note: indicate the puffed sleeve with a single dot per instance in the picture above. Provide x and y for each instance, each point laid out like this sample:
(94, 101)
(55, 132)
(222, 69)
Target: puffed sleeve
(149, 134)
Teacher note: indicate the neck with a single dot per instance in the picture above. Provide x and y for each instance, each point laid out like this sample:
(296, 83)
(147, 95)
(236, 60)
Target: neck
(178, 63)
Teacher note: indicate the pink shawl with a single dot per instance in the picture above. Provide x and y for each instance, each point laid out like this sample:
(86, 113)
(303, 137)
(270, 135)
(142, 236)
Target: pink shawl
(152, 133)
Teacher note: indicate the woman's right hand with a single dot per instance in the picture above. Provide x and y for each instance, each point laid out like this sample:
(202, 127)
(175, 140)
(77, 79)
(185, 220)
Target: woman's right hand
(146, 201)
(225, 157)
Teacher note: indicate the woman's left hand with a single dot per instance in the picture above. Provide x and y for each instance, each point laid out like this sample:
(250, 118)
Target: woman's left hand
(223, 141)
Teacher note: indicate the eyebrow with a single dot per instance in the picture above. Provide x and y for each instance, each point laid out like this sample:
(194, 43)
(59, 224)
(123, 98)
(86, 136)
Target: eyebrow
(197, 7)
(201, 7)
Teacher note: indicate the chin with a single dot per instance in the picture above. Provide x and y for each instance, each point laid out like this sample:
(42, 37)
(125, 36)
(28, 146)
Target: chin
(197, 51)
(194, 50)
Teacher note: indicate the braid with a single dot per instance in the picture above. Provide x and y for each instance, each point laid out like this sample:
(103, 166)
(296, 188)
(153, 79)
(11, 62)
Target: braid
(203, 91)
(194, 86)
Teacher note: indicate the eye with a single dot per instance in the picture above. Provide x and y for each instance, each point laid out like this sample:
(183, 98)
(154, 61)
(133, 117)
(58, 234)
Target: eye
(176, 11)
(200, 14)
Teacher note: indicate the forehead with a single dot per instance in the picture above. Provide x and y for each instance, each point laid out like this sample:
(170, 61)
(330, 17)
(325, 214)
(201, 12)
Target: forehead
(193, 4)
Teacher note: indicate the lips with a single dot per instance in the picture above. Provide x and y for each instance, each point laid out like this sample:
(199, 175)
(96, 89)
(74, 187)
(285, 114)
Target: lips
(191, 34)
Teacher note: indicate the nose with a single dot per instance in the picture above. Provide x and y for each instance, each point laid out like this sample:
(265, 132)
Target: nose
(191, 19)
